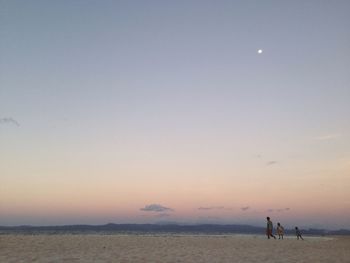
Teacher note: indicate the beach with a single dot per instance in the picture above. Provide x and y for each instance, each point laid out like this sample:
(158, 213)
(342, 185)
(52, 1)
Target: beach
(170, 248)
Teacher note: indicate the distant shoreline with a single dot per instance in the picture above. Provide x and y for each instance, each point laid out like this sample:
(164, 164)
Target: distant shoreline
(156, 229)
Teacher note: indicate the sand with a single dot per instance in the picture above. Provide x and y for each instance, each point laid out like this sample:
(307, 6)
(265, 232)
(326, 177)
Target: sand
(170, 248)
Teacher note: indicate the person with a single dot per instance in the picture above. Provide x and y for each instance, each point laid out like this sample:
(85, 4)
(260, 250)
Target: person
(269, 228)
(280, 231)
(298, 233)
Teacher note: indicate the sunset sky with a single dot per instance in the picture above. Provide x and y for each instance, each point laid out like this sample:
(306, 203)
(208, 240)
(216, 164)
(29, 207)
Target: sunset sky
(164, 111)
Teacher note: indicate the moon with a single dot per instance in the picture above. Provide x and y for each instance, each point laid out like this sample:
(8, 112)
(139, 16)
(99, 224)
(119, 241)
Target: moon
(260, 51)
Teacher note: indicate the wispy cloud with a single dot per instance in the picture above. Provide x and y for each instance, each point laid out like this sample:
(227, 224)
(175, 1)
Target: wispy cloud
(245, 208)
(279, 210)
(283, 209)
(327, 137)
(9, 121)
(271, 163)
(155, 208)
(211, 208)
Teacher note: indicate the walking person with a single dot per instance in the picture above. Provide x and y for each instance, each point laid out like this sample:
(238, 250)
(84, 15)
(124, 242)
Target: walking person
(280, 231)
(298, 233)
(269, 228)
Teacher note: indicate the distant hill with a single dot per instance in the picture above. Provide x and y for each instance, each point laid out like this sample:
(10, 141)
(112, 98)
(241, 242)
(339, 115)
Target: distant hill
(156, 228)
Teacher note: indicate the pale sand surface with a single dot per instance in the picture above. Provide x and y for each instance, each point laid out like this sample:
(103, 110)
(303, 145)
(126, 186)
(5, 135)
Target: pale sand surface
(170, 248)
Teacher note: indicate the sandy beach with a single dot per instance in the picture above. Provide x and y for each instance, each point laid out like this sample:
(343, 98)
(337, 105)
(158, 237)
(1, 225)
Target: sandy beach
(170, 248)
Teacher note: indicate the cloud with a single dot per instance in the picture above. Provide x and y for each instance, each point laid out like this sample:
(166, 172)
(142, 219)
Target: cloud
(245, 208)
(282, 209)
(279, 210)
(327, 137)
(211, 208)
(9, 121)
(271, 162)
(155, 208)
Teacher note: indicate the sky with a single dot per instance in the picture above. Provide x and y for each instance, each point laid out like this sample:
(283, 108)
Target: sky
(165, 111)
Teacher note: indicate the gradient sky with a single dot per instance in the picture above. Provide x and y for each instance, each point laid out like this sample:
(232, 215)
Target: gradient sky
(108, 107)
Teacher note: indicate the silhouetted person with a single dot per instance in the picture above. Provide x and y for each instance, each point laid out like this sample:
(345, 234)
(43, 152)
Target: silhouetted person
(280, 231)
(298, 233)
(269, 228)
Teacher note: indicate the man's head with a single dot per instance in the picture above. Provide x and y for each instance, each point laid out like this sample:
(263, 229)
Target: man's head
(268, 218)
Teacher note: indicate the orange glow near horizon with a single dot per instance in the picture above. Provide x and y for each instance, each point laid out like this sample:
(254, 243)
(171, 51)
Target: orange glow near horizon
(219, 198)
